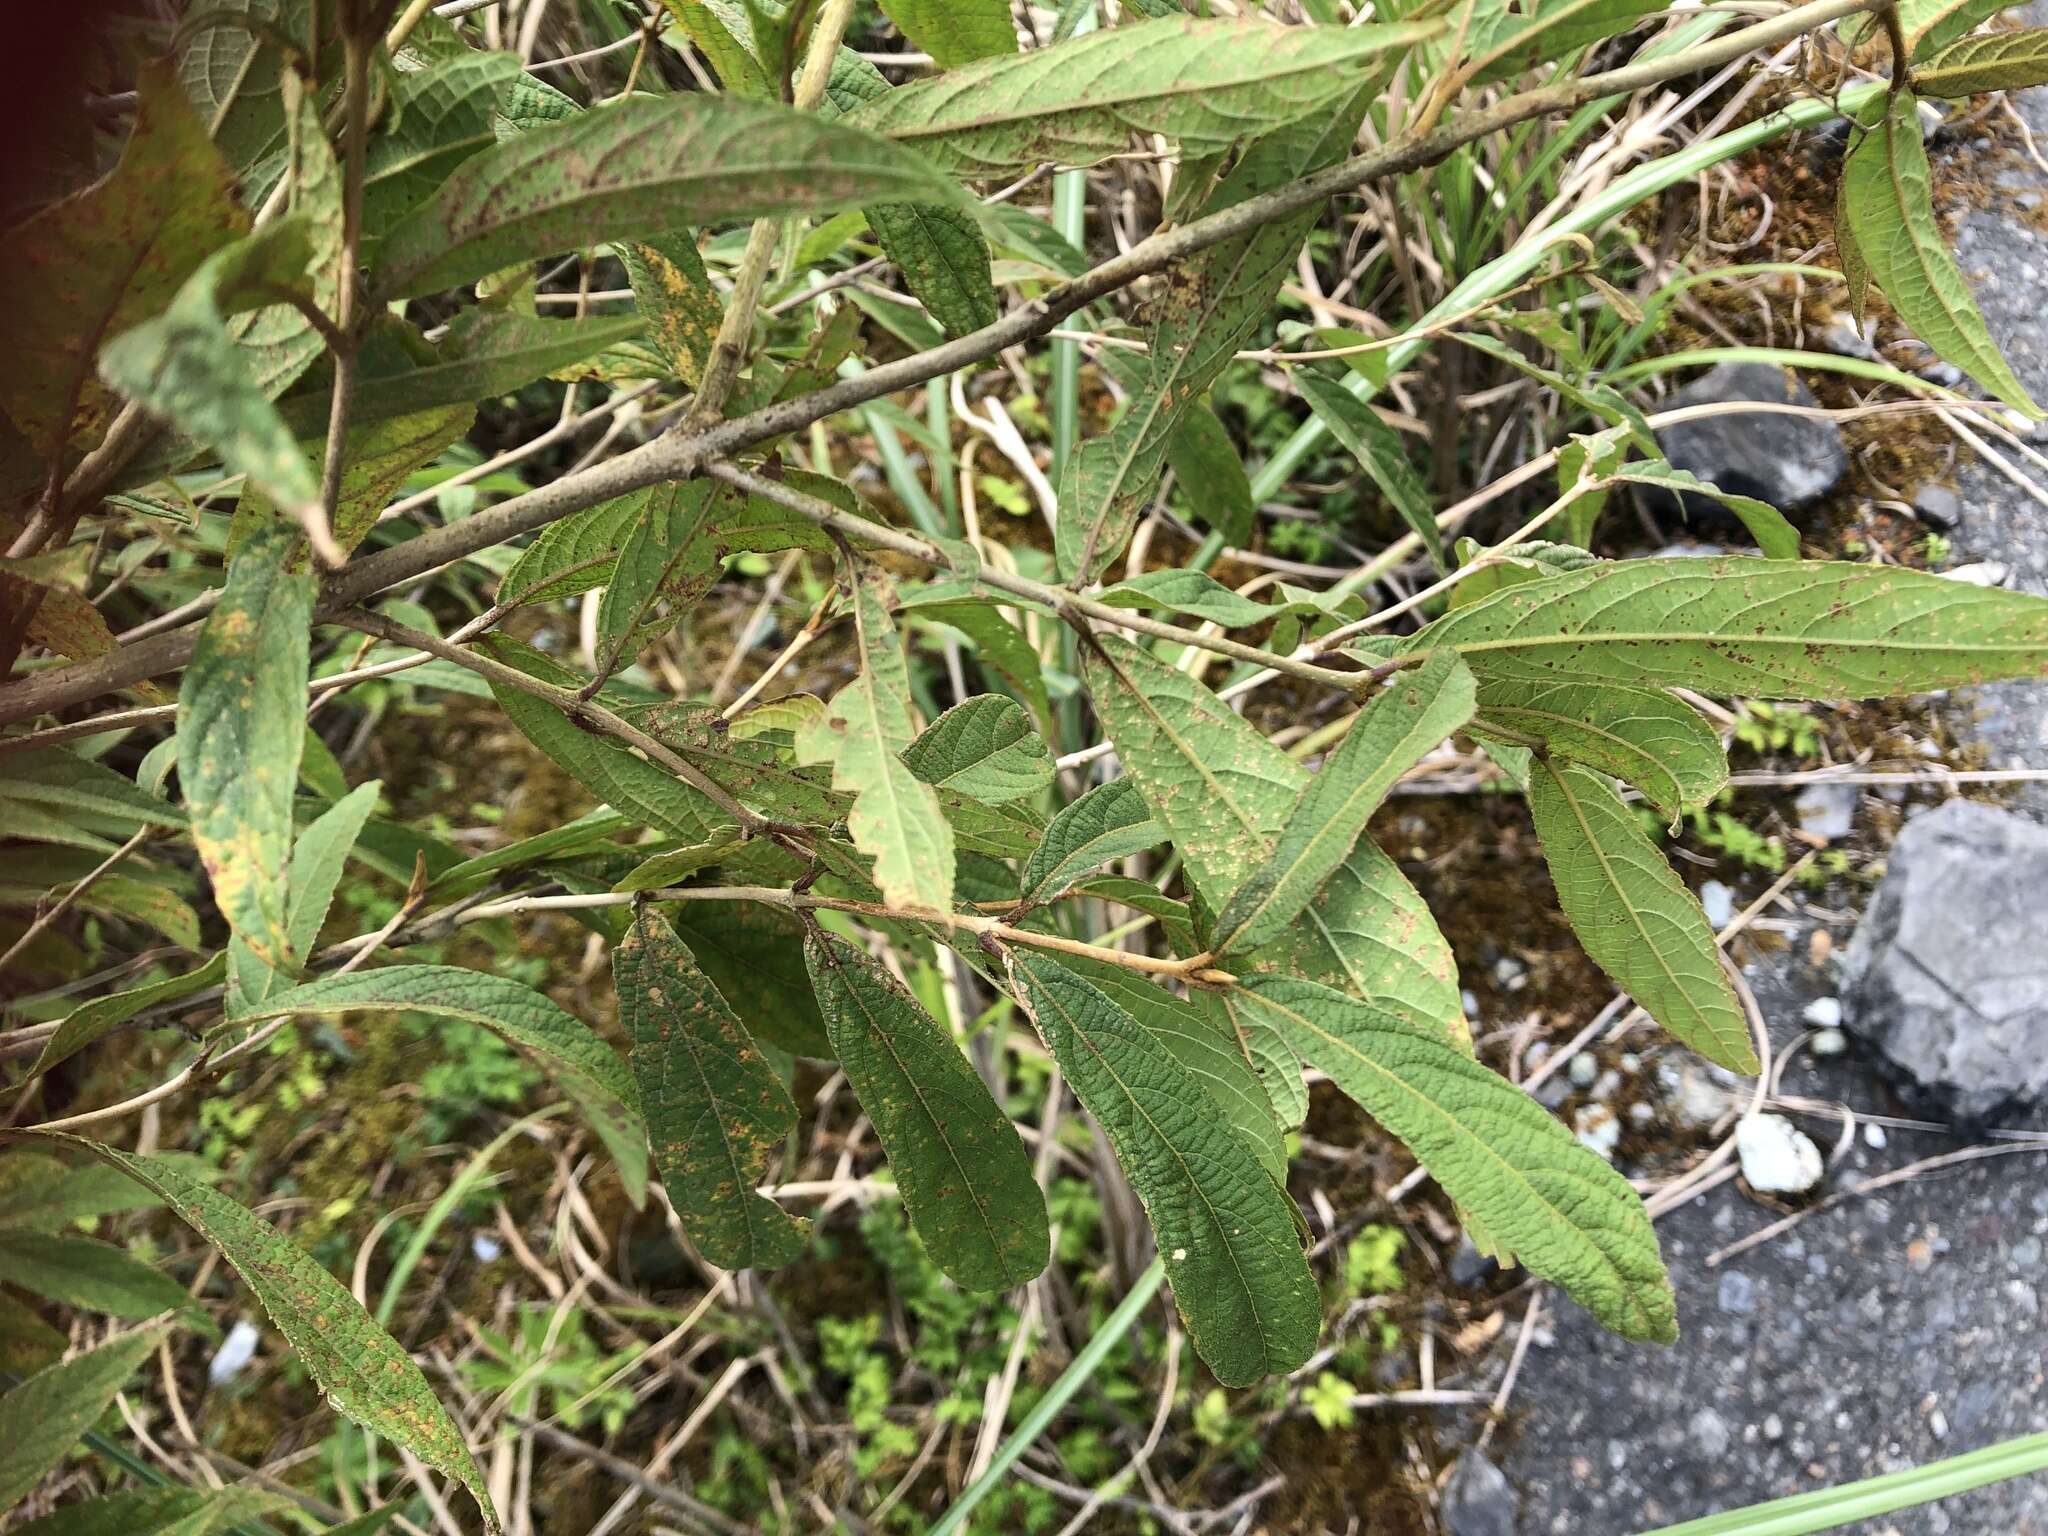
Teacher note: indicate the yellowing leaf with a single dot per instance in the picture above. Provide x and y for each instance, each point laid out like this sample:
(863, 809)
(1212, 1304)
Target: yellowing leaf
(241, 728)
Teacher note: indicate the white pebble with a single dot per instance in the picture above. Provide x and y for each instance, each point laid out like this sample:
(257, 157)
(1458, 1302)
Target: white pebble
(1824, 1013)
(1777, 1157)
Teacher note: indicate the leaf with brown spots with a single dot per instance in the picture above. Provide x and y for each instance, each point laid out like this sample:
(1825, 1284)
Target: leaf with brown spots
(964, 1174)
(106, 259)
(364, 1373)
(714, 1106)
(674, 292)
(1764, 629)
(638, 170)
(241, 729)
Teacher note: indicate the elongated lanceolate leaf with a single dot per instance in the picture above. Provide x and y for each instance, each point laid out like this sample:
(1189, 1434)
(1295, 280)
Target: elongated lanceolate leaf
(1504, 39)
(1887, 198)
(241, 728)
(367, 1378)
(1223, 1224)
(588, 1070)
(1110, 822)
(1379, 452)
(1559, 1208)
(90, 1021)
(715, 1108)
(1646, 736)
(1766, 629)
(168, 1511)
(944, 261)
(1632, 913)
(1932, 23)
(896, 819)
(1209, 84)
(964, 1174)
(1776, 537)
(661, 560)
(1996, 61)
(986, 747)
(674, 292)
(640, 169)
(44, 1417)
(1407, 719)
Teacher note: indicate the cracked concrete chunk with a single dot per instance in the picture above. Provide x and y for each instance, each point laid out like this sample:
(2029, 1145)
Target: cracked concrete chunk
(1948, 973)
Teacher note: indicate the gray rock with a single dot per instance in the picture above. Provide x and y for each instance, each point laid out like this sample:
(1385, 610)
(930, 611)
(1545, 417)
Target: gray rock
(1736, 1293)
(1947, 975)
(1710, 1433)
(1788, 461)
(1468, 1265)
(1478, 1500)
(1939, 507)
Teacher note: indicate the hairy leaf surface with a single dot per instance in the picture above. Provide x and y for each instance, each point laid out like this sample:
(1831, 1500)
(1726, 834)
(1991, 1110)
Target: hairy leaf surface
(367, 1377)
(964, 1174)
(44, 1417)
(1652, 739)
(83, 1272)
(1996, 61)
(1224, 1226)
(1766, 629)
(1633, 914)
(1887, 200)
(639, 169)
(1391, 734)
(986, 747)
(714, 1106)
(1380, 453)
(1111, 821)
(1209, 84)
(1558, 1207)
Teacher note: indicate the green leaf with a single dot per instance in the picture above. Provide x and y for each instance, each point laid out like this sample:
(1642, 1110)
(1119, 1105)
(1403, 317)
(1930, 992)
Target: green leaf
(27, 1343)
(1777, 538)
(46, 1415)
(1210, 474)
(317, 860)
(1369, 933)
(1379, 451)
(720, 30)
(610, 770)
(1218, 787)
(1524, 562)
(439, 116)
(186, 367)
(1888, 201)
(675, 866)
(1205, 1048)
(674, 293)
(1761, 629)
(1995, 61)
(1110, 822)
(241, 728)
(365, 1375)
(46, 779)
(715, 1108)
(1209, 84)
(1224, 1226)
(588, 1070)
(106, 259)
(662, 560)
(754, 956)
(91, 1021)
(640, 169)
(138, 901)
(986, 747)
(965, 1177)
(1563, 1212)
(1195, 593)
(1408, 718)
(896, 819)
(381, 455)
(485, 353)
(1272, 1059)
(1505, 40)
(999, 645)
(44, 1194)
(1935, 23)
(943, 258)
(1646, 736)
(955, 32)
(81, 1272)
(1633, 914)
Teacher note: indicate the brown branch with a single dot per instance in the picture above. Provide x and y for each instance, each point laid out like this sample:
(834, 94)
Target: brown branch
(681, 455)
